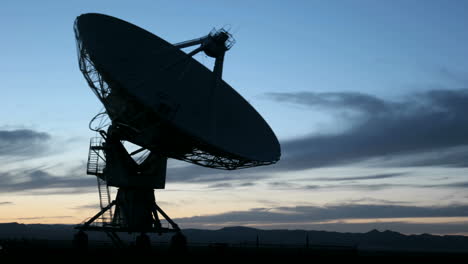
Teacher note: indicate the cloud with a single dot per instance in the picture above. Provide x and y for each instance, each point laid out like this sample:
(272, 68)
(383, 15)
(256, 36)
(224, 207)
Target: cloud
(367, 177)
(452, 75)
(375, 201)
(38, 181)
(226, 185)
(311, 214)
(381, 186)
(44, 217)
(422, 129)
(427, 128)
(22, 142)
(431, 121)
(198, 174)
(94, 206)
(462, 185)
(364, 187)
(334, 100)
(5, 203)
(221, 186)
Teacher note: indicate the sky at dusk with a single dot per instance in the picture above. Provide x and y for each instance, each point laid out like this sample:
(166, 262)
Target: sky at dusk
(369, 100)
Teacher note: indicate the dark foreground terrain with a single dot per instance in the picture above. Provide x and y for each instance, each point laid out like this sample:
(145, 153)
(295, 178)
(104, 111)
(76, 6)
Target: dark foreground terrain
(219, 252)
(55, 241)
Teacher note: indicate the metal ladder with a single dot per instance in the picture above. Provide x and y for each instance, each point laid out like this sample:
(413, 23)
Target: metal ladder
(95, 166)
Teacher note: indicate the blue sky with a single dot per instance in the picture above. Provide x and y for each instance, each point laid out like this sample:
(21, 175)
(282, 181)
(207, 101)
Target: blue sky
(342, 84)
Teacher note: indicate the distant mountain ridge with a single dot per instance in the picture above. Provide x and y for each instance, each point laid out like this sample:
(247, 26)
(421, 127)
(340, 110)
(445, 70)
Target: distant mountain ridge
(372, 240)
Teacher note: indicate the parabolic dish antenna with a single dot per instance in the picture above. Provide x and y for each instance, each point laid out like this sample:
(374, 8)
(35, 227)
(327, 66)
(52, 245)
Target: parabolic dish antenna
(173, 103)
(159, 98)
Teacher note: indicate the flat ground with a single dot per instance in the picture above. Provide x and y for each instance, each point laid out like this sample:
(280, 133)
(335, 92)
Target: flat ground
(48, 250)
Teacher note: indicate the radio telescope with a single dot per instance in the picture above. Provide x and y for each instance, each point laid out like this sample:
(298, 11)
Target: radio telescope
(161, 99)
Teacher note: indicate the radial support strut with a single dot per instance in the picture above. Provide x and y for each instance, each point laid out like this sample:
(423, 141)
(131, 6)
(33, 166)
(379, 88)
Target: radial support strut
(214, 45)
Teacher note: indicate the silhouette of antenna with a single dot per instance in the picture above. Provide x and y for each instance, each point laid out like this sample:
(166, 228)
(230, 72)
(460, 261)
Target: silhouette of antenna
(161, 99)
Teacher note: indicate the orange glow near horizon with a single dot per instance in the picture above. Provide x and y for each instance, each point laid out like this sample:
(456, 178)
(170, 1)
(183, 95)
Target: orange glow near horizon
(74, 209)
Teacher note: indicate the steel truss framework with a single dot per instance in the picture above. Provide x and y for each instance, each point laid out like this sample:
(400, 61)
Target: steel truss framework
(92, 224)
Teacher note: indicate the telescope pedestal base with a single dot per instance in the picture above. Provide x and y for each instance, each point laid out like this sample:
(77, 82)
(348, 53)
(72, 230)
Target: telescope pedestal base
(136, 212)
